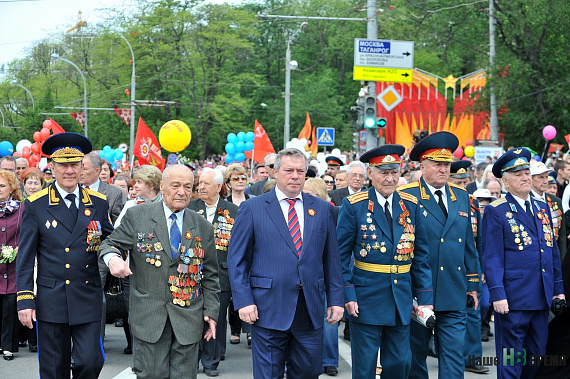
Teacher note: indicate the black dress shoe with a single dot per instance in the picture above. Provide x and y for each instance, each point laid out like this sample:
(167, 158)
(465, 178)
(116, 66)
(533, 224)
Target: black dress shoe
(248, 339)
(8, 356)
(223, 357)
(490, 334)
(211, 371)
(477, 369)
(22, 344)
(485, 338)
(128, 350)
(331, 371)
(33, 348)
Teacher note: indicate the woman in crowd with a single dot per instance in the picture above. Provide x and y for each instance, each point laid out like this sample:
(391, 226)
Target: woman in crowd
(106, 171)
(147, 186)
(11, 210)
(329, 181)
(236, 180)
(132, 191)
(33, 180)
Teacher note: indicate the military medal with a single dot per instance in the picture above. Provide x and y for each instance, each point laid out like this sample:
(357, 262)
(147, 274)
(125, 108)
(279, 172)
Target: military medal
(158, 263)
(188, 235)
(369, 220)
(372, 228)
(364, 227)
(311, 212)
(425, 213)
(365, 236)
(363, 253)
(383, 248)
(158, 246)
(374, 237)
(140, 236)
(54, 224)
(87, 212)
(47, 224)
(150, 236)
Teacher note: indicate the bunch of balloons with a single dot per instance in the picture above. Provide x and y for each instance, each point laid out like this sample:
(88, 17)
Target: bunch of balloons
(299, 144)
(31, 151)
(465, 153)
(111, 155)
(237, 144)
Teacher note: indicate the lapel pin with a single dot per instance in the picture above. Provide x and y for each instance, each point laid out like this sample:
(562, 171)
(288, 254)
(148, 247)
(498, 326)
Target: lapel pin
(425, 213)
(87, 212)
(188, 235)
(54, 223)
(47, 224)
(311, 212)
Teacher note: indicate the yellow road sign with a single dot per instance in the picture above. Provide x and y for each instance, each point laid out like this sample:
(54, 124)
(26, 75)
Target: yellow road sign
(383, 74)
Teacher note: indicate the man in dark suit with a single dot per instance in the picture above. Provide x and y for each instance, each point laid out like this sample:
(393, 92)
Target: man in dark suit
(382, 230)
(356, 173)
(174, 278)
(64, 225)
(478, 182)
(452, 255)
(116, 199)
(283, 261)
(257, 188)
(521, 265)
(221, 214)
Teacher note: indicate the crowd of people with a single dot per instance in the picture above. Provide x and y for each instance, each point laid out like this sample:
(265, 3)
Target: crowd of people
(282, 253)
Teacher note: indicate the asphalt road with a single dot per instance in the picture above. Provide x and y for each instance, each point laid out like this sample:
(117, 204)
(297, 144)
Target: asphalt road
(236, 366)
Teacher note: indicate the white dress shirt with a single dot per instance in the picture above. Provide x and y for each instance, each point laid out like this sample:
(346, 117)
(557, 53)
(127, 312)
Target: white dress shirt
(95, 186)
(521, 203)
(211, 211)
(382, 201)
(179, 218)
(63, 193)
(443, 196)
(285, 208)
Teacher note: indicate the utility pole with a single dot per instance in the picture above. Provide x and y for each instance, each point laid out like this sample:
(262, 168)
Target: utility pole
(372, 33)
(494, 119)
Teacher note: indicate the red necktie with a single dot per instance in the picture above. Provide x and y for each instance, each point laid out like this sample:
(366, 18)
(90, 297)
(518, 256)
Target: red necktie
(294, 227)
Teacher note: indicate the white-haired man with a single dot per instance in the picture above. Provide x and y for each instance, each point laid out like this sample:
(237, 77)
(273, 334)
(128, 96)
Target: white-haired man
(356, 173)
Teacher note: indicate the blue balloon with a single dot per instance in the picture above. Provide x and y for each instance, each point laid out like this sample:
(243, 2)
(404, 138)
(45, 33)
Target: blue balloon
(239, 157)
(240, 146)
(249, 146)
(241, 136)
(537, 158)
(6, 148)
(232, 138)
(107, 148)
(249, 136)
(229, 158)
(230, 148)
(118, 154)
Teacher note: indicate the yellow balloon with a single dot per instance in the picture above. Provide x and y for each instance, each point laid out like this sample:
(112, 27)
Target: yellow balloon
(174, 136)
(469, 151)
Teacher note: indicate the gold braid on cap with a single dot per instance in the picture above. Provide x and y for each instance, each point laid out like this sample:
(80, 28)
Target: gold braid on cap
(67, 154)
(461, 171)
(439, 155)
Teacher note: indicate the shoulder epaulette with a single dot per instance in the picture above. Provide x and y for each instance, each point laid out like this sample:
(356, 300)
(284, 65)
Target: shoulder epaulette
(539, 198)
(498, 202)
(409, 185)
(408, 197)
(96, 194)
(37, 195)
(356, 197)
(456, 186)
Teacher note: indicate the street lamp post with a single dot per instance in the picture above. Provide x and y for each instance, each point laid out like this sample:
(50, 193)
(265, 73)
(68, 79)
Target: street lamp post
(133, 85)
(15, 83)
(56, 57)
(289, 65)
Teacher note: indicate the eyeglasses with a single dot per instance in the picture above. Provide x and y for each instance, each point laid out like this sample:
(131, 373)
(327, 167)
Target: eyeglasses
(271, 165)
(329, 181)
(238, 178)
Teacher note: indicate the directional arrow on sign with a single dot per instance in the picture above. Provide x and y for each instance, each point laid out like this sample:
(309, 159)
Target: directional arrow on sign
(405, 74)
(406, 54)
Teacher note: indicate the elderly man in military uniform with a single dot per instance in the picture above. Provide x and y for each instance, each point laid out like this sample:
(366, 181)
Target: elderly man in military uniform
(446, 210)
(334, 165)
(459, 175)
(63, 226)
(522, 267)
(384, 230)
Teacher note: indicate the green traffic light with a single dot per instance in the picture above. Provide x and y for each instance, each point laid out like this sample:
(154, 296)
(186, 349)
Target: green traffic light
(370, 122)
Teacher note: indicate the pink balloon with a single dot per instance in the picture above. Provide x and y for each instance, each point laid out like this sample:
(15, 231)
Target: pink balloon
(47, 124)
(469, 143)
(465, 158)
(458, 153)
(549, 132)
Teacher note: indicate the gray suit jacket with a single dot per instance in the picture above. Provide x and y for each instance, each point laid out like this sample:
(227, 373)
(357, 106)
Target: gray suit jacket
(151, 300)
(116, 198)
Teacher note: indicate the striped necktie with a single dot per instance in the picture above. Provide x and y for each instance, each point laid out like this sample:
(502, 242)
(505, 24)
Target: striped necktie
(294, 227)
(175, 236)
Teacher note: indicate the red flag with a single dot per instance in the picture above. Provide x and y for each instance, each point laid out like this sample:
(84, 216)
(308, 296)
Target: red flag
(306, 131)
(147, 148)
(262, 145)
(56, 129)
(124, 114)
(79, 117)
(314, 149)
(567, 138)
(555, 147)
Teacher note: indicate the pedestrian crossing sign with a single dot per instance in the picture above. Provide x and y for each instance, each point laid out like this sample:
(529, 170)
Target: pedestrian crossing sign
(325, 136)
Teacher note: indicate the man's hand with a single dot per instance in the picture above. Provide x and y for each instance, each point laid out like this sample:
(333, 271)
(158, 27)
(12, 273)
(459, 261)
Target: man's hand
(211, 332)
(352, 308)
(561, 296)
(334, 314)
(27, 317)
(249, 314)
(475, 299)
(430, 307)
(483, 280)
(501, 306)
(119, 268)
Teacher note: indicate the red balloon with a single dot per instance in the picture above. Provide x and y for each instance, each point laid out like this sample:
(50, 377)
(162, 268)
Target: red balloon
(47, 124)
(465, 158)
(36, 148)
(16, 154)
(458, 153)
(26, 152)
(468, 143)
(44, 134)
(37, 136)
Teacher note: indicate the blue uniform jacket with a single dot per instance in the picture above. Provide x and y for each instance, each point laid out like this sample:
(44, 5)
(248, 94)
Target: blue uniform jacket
(264, 267)
(68, 282)
(520, 255)
(364, 231)
(452, 253)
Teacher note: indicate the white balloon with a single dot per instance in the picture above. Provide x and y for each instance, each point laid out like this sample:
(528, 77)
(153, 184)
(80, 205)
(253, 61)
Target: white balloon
(322, 166)
(295, 140)
(303, 142)
(335, 152)
(321, 157)
(23, 143)
(289, 145)
(308, 154)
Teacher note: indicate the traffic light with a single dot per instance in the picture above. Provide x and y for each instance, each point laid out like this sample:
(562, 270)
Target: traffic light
(381, 122)
(355, 141)
(370, 111)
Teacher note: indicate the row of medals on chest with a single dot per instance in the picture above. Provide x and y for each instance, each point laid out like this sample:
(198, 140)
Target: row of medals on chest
(223, 234)
(405, 246)
(522, 238)
(186, 286)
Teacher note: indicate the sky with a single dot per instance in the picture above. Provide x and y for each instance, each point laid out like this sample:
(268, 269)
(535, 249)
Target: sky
(24, 21)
